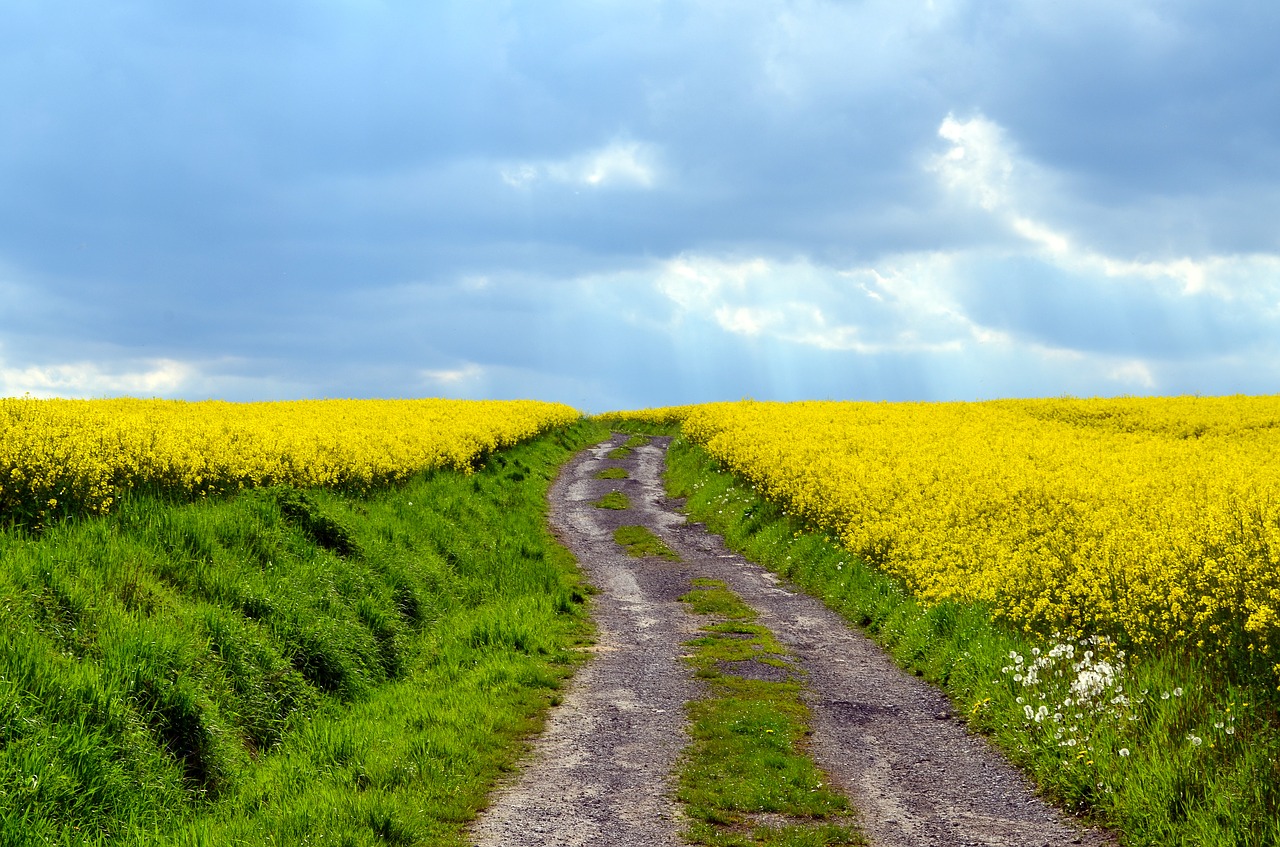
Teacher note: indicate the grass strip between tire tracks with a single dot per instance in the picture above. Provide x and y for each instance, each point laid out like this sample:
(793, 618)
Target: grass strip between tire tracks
(745, 778)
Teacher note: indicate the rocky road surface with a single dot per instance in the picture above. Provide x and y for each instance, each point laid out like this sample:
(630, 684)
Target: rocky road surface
(601, 773)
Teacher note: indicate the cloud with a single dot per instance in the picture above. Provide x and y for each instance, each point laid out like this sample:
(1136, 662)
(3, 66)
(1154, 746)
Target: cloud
(452, 378)
(1136, 373)
(1073, 294)
(865, 310)
(984, 169)
(1033, 299)
(978, 166)
(154, 378)
(617, 165)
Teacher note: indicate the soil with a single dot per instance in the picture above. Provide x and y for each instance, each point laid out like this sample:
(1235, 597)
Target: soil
(601, 772)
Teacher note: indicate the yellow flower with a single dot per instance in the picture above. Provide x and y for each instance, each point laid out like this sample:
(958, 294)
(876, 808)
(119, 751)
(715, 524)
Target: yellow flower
(81, 454)
(1152, 519)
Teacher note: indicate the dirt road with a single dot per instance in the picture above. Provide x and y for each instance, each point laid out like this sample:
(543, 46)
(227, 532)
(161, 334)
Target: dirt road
(601, 772)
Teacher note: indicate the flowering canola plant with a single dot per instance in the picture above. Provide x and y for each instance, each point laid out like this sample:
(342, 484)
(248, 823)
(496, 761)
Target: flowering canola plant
(60, 457)
(1149, 521)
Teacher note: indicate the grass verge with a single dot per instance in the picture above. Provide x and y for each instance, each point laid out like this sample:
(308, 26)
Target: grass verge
(284, 666)
(745, 779)
(1155, 746)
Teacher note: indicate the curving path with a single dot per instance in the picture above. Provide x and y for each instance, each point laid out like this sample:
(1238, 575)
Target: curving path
(601, 772)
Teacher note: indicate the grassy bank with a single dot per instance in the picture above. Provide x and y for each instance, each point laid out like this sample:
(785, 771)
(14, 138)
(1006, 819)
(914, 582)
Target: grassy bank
(283, 666)
(1156, 747)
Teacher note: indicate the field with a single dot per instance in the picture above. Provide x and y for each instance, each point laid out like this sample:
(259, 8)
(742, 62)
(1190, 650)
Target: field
(1148, 522)
(217, 619)
(70, 457)
(185, 662)
(1094, 582)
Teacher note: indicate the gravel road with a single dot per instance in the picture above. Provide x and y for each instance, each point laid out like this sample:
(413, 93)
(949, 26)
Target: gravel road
(601, 772)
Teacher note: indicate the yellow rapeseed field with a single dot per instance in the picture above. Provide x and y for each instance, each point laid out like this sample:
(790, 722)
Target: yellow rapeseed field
(1150, 520)
(61, 457)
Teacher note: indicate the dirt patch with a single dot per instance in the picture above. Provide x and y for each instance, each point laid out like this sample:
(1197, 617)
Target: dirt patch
(751, 669)
(601, 773)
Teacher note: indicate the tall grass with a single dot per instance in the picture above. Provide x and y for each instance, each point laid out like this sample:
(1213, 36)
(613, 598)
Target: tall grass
(283, 666)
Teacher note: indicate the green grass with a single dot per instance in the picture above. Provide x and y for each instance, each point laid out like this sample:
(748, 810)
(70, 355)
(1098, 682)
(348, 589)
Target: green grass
(1161, 766)
(747, 756)
(626, 449)
(640, 542)
(284, 666)
(612, 473)
(614, 500)
(639, 427)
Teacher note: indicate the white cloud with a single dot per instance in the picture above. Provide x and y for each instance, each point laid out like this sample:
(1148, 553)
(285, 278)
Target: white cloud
(984, 169)
(520, 175)
(978, 166)
(1134, 372)
(864, 310)
(620, 164)
(1054, 243)
(696, 282)
(158, 377)
(926, 303)
(745, 320)
(226, 377)
(452, 378)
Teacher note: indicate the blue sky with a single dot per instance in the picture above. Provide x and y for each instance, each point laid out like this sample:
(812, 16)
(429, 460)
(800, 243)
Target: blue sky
(628, 204)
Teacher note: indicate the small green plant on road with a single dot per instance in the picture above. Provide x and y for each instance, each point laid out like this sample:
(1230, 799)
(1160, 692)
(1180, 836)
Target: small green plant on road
(614, 500)
(625, 450)
(640, 542)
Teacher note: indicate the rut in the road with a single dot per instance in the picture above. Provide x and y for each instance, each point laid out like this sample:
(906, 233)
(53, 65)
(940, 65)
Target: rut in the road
(601, 773)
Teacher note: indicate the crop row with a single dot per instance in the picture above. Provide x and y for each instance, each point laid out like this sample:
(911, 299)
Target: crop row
(62, 457)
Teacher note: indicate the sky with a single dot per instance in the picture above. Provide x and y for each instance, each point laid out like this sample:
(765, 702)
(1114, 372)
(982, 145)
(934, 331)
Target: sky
(619, 205)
